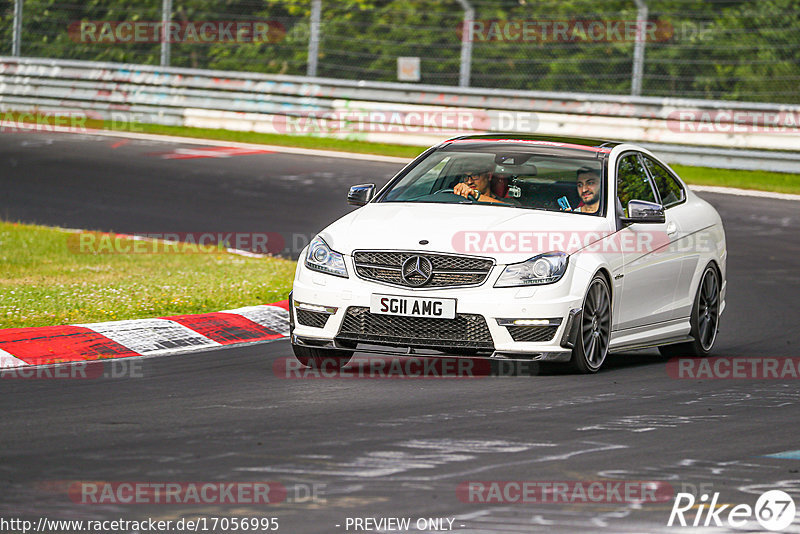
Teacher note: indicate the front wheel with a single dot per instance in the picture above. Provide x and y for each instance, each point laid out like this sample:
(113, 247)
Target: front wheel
(591, 347)
(704, 320)
(316, 358)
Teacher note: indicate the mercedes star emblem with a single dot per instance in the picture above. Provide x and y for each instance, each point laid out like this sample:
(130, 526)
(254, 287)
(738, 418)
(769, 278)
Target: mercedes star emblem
(417, 271)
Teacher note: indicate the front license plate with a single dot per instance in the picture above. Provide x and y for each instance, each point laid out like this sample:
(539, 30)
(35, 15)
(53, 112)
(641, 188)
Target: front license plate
(413, 306)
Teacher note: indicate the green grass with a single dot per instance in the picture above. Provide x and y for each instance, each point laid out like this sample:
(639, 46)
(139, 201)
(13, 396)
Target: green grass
(762, 180)
(45, 279)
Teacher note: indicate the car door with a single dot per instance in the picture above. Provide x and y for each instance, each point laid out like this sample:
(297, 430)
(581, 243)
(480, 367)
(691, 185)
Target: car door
(650, 267)
(681, 235)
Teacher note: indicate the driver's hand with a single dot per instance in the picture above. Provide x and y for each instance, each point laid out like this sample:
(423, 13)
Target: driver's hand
(464, 190)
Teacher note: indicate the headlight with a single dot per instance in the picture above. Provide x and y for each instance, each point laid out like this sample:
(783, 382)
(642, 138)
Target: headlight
(541, 269)
(321, 258)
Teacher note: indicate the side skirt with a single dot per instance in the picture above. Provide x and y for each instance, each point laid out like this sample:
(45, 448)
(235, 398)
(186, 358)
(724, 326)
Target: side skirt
(664, 333)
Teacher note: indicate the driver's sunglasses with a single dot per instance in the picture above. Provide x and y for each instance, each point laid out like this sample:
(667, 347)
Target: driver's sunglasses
(474, 175)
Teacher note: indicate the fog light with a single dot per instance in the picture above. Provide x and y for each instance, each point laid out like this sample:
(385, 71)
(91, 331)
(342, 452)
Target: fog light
(532, 322)
(315, 308)
(529, 322)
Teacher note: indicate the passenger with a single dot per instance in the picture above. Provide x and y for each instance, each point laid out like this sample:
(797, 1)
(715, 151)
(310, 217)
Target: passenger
(477, 184)
(588, 183)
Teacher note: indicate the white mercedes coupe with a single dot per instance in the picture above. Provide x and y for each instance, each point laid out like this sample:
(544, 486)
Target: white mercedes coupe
(515, 247)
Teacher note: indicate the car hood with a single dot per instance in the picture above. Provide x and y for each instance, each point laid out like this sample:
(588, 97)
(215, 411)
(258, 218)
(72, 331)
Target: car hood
(506, 234)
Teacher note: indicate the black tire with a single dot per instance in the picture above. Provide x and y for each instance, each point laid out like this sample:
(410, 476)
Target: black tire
(316, 358)
(591, 346)
(704, 320)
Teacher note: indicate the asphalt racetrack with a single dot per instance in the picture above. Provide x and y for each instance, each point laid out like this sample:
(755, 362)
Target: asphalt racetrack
(378, 448)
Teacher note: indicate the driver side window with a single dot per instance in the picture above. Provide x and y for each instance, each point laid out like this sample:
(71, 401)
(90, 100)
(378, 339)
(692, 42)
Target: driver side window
(632, 183)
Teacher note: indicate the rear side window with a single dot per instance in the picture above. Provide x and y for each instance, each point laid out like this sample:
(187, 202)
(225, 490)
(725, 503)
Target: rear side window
(632, 182)
(668, 187)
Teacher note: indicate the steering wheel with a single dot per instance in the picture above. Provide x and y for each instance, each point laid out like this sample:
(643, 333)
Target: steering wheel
(452, 192)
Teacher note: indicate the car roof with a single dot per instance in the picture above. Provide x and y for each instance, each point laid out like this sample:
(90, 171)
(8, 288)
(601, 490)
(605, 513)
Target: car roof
(581, 143)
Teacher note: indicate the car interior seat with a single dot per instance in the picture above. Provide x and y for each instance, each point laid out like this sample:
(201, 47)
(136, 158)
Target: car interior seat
(499, 185)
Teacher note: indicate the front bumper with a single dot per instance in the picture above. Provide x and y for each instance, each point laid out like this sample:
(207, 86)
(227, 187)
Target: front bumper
(331, 297)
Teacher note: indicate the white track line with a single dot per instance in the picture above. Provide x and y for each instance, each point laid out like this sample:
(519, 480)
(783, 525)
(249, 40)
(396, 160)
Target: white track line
(743, 192)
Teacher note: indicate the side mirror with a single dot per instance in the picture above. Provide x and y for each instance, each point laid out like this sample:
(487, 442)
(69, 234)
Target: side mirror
(641, 211)
(360, 194)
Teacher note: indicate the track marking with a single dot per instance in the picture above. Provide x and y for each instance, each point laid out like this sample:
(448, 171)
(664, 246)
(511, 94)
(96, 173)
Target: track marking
(213, 152)
(7, 360)
(272, 317)
(152, 336)
(785, 455)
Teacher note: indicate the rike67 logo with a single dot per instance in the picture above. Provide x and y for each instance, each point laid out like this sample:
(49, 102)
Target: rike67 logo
(774, 510)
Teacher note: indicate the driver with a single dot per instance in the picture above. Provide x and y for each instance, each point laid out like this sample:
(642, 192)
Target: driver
(588, 183)
(477, 184)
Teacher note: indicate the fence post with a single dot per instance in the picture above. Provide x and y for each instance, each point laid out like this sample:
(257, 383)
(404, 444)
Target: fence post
(17, 35)
(313, 37)
(166, 17)
(638, 50)
(466, 44)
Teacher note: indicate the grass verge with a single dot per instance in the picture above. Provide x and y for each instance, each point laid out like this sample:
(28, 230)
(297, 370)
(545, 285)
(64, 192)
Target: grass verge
(46, 280)
(777, 182)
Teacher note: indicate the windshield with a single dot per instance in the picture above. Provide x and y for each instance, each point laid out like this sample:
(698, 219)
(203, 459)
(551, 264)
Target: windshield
(512, 179)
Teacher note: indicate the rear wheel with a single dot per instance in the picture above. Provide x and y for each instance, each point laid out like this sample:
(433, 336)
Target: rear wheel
(704, 320)
(591, 346)
(317, 358)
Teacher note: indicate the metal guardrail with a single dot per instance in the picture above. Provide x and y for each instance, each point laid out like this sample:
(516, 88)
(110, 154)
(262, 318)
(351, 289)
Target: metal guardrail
(365, 110)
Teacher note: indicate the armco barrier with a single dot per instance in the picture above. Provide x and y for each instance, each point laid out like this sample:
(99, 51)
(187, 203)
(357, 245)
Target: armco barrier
(264, 103)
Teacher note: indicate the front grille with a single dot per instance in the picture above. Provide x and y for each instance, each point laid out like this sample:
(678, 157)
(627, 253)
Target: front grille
(447, 270)
(532, 333)
(312, 318)
(465, 331)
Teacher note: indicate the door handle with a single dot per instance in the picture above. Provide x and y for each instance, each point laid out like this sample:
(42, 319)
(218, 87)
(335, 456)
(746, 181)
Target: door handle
(672, 228)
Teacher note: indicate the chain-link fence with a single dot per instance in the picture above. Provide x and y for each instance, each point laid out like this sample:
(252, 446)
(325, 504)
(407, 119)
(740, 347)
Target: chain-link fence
(722, 49)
